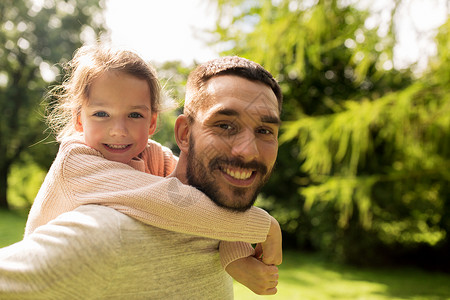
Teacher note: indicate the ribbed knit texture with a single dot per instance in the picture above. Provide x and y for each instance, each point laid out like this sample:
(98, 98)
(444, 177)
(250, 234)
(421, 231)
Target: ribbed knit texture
(80, 175)
(231, 251)
(95, 252)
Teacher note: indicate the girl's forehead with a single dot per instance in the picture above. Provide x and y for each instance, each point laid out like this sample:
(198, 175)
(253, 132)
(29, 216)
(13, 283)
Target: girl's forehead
(120, 88)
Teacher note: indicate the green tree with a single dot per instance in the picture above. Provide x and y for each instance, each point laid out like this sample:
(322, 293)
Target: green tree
(35, 36)
(363, 162)
(173, 76)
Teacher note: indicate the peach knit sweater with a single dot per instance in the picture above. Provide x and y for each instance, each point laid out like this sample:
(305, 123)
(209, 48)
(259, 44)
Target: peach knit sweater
(80, 175)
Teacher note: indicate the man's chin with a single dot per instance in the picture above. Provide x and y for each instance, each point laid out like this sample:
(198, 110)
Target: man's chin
(234, 202)
(234, 207)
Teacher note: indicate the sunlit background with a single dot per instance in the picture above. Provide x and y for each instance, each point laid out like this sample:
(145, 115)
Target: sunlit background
(174, 29)
(163, 30)
(361, 189)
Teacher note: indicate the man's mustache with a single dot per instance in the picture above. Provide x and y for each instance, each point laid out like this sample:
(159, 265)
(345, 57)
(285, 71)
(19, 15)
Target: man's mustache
(216, 162)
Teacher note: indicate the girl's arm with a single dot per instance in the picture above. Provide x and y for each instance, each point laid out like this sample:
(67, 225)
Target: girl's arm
(232, 251)
(262, 279)
(88, 178)
(246, 266)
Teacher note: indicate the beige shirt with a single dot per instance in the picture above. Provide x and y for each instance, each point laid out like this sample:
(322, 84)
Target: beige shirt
(95, 252)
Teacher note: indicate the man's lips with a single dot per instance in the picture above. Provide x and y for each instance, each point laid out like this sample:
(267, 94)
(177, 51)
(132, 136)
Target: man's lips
(239, 177)
(241, 174)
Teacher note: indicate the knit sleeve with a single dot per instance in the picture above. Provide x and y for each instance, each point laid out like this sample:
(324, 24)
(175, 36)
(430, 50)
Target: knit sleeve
(170, 161)
(162, 202)
(159, 160)
(231, 251)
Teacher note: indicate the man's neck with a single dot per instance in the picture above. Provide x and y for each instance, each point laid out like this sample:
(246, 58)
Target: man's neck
(180, 170)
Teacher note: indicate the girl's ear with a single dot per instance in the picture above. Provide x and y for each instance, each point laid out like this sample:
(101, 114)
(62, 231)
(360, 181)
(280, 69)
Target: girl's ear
(182, 133)
(153, 123)
(78, 124)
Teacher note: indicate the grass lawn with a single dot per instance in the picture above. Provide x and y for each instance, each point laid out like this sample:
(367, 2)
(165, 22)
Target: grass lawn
(12, 227)
(309, 277)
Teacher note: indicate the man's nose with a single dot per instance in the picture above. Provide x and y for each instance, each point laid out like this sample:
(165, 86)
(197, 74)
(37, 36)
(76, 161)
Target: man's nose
(118, 128)
(245, 146)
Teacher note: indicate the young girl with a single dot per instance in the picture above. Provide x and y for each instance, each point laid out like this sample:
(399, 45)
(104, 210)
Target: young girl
(106, 111)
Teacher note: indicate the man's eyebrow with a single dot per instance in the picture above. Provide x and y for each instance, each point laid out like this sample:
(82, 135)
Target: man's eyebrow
(271, 119)
(227, 112)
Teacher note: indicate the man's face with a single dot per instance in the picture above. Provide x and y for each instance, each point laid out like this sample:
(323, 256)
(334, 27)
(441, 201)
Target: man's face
(234, 141)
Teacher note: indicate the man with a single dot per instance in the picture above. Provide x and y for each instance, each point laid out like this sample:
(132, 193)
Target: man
(228, 143)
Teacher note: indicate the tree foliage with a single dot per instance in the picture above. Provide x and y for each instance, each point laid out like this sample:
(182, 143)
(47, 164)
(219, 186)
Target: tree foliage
(35, 37)
(371, 144)
(173, 77)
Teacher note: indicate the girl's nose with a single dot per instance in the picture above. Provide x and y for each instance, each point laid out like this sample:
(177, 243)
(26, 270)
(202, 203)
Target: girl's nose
(118, 128)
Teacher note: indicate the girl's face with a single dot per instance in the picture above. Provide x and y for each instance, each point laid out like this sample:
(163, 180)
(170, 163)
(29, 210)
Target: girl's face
(117, 118)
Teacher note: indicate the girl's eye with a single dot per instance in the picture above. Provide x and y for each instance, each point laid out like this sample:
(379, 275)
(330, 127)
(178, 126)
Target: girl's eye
(101, 114)
(135, 115)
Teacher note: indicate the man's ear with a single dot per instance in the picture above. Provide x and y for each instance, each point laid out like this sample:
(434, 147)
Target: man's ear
(153, 123)
(79, 124)
(182, 133)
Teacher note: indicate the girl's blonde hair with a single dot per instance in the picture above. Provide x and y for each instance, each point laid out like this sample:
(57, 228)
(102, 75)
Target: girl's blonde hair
(89, 63)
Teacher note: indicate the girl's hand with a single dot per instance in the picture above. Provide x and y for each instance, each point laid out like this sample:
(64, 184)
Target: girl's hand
(271, 249)
(262, 279)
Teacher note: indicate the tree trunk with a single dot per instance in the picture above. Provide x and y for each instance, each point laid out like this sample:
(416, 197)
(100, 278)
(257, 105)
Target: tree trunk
(3, 188)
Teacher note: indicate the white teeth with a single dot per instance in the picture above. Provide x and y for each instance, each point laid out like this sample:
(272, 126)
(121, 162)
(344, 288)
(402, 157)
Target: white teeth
(117, 146)
(238, 175)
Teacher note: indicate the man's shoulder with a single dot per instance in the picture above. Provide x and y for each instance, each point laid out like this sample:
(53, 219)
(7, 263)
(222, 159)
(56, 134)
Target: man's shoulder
(99, 218)
(85, 221)
(105, 220)
(99, 212)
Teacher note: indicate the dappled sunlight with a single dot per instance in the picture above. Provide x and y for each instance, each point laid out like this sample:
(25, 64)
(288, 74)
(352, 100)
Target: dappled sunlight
(310, 277)
(362, 168)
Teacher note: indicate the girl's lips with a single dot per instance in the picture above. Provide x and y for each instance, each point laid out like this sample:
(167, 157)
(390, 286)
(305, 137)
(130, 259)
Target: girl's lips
(117, 148)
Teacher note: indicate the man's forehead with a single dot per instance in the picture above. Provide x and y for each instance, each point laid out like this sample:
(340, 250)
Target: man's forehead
(224, 88)
(256, 113)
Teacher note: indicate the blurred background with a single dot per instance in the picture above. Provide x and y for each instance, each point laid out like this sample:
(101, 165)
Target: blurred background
(363, 172)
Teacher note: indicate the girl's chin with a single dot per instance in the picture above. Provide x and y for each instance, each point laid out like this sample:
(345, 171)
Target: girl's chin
(117, 158)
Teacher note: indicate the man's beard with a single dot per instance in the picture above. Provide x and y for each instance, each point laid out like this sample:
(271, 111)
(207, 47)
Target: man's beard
(201, 177)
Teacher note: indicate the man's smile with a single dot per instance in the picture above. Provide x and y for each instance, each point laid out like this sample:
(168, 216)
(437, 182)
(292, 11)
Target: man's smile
(238, 176)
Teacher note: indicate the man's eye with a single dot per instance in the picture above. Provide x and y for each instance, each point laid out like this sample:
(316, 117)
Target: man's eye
(101, 114)
(264, 131)
(135, 115)
(225, 126)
